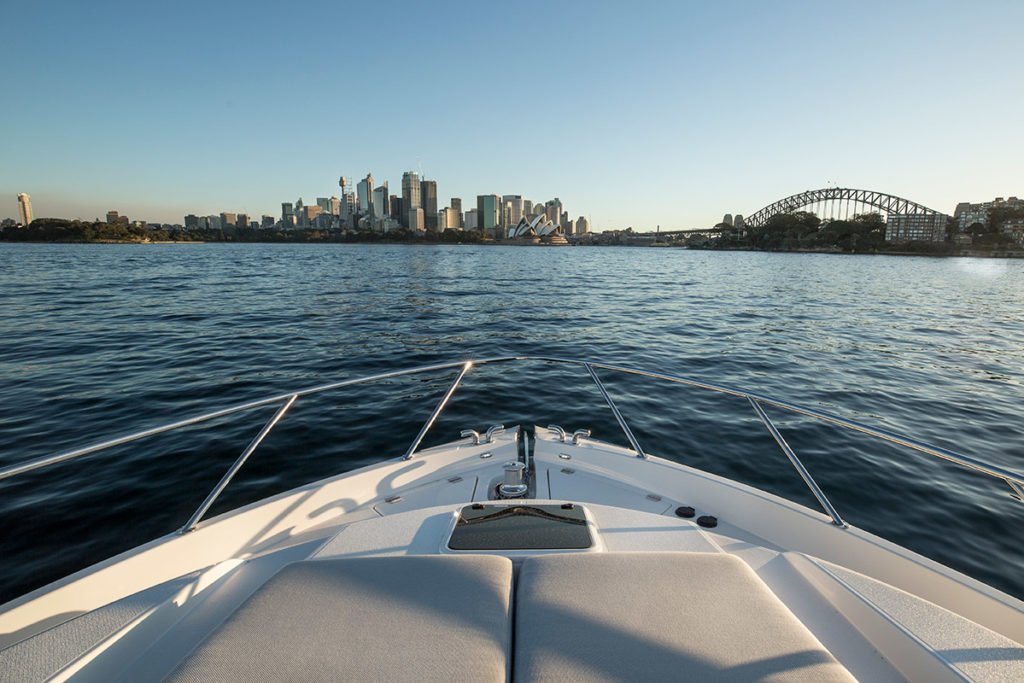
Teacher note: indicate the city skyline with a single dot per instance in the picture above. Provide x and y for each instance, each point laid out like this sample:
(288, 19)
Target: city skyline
(667, 117)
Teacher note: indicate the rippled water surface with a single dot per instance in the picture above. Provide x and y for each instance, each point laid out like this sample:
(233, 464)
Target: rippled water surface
(98, 340)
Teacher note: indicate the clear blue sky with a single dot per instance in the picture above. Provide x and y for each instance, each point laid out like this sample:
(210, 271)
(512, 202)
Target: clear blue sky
(635, 113)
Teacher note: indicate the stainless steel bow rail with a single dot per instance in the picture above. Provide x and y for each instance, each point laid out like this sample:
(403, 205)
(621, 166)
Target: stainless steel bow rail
(284, 402)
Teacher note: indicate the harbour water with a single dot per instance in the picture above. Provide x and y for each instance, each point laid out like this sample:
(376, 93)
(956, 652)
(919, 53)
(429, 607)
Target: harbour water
(99, 340)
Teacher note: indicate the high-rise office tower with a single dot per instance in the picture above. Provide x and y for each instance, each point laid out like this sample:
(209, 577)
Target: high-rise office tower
(242, 221)
(470, 220)
(568, 225)
(582, 226)
(527, 207)
(25, 208)
(553, 210)
(488, 208)
(324, 203)
(456, 205)
(228, 220)
(335, 206)
(515, 205)
(395, 203)
(113, 217)
(410, 194)
(287, 214)
(416, 219)
(428, 200)
(365, 192)
(381, 201)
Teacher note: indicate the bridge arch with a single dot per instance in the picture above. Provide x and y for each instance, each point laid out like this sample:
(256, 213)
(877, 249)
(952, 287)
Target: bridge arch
(885, 203)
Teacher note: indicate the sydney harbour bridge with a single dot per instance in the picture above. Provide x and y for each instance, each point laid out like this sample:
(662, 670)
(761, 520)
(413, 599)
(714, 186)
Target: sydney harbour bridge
(830, 203)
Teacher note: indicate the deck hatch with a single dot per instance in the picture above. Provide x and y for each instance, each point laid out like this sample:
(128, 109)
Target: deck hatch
(521, 527)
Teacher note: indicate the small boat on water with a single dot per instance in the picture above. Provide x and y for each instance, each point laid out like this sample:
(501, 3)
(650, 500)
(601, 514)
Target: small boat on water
(518, 553)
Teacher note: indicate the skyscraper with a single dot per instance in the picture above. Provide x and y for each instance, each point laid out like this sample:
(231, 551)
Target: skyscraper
(324, 203)
(416, 219)
(287, 214)
(488, 208)
(410, 194)
(381, 201)
(553, 210)
(515, 205)
(365, 192)
(428, 200)
(582, 226)
(25, 207)
(456, 204)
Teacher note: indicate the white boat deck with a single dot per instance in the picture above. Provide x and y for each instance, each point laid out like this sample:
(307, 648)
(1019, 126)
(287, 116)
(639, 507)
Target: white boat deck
(683, 574)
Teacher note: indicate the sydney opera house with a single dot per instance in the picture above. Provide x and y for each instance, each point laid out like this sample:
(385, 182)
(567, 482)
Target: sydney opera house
(541, 230)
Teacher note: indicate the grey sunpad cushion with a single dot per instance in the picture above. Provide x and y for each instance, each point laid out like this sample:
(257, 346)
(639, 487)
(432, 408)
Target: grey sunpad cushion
(407, 618)
(658, 616)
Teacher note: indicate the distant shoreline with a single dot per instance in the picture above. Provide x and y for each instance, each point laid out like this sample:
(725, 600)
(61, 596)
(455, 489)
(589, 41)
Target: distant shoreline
(962, 253)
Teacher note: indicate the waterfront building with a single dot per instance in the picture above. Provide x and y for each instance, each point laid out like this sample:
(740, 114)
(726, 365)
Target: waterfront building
(514, 205)
(553, 210)
(191, 221)
(228, 220)
(967, 214)
(428, 200)
(287, 214)
(243, 220)
(396, 211)
(365, 193)
(568, 225)
(727, 219)
(488, 208)
(582, 226)
(449, 218)
(25, 208)
(334, 206)
(410, 194)
(527, 207)
(415, 219)
(381, 201)
(211, 222)
(267, 222)
(471, 220)
(915, 227)
(456, 206)
(114, 217)
(1014, 228)
(310, 213)
(324, 203)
